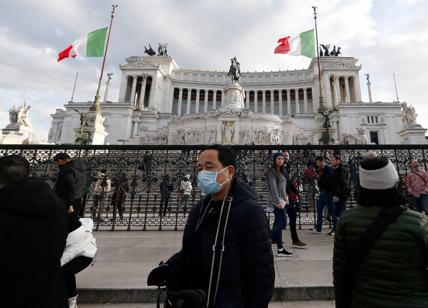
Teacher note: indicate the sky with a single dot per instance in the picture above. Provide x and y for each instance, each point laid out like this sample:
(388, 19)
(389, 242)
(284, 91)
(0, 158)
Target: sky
(386, 36)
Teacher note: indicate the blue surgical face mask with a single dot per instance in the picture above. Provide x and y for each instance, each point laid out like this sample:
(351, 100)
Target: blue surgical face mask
(207, 182)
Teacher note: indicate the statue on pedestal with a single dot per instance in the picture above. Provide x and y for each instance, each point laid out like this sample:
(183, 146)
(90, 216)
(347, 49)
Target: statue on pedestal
(234, 70)
(409, 115)
(18, 117)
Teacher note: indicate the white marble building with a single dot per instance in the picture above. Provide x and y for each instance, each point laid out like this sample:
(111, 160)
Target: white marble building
(160, 103)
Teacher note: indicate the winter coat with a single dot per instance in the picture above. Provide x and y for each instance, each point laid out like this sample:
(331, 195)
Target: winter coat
(71, 181)
(277, 188)
(394, 271)
(339, 181)
(417, 183)
(80, 242)
(325, 183)
(186, 187)
(247, 274)
(119, 193)
(33, 231)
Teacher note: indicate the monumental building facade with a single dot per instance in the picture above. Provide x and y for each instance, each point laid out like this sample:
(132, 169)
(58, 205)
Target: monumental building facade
(161, 103)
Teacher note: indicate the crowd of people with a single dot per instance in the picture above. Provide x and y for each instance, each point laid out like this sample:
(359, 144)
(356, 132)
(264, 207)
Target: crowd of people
(380, 246)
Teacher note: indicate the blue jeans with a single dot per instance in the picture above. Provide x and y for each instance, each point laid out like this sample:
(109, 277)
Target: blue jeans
(340, 205)
(278, 225)
(421, 203)
(326, 198)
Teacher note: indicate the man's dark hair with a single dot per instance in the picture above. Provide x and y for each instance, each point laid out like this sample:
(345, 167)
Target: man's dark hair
(61, 156)
(337, 157)
(226, 155)
(319, 158)
(14, 168)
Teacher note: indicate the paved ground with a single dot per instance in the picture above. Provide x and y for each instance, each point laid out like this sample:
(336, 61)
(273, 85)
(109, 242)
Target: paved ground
(312, 304)
(125, 258)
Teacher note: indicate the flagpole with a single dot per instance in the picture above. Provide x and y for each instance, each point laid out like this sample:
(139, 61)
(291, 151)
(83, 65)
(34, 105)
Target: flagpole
(318, 53)
(395, 85)
(96, 106)
(74, 87)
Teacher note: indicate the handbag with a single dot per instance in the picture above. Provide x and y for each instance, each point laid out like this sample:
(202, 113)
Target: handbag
(197, 298)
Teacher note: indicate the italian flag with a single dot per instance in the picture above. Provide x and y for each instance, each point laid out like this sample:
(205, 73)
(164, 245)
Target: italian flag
(92, 45)
(299, 45)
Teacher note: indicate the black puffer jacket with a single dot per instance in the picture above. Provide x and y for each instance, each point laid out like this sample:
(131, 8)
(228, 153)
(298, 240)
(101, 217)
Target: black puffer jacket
(33, 231)
(325, 182)
(247, 275)
(71, 181)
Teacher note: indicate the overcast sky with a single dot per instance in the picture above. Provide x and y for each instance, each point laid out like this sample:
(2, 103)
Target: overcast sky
(386, 36)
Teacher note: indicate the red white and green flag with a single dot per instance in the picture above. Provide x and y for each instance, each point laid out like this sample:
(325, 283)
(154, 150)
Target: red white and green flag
(299, 45)
(92, 45)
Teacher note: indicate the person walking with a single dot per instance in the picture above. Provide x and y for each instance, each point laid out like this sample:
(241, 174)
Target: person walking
(380, 254)
(325, 197)
(185, 190)
(166, 187)
(33, 232)
(417, 186)
(341, 188)
(277, 201)
(246, 270)
(71, 182)
(294, 198)
(100, 188)
(121, 189)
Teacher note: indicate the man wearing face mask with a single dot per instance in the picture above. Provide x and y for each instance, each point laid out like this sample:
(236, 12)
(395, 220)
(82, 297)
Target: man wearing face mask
(247, 270)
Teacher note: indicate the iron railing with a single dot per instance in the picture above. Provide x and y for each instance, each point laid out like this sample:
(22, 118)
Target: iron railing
(145, 167)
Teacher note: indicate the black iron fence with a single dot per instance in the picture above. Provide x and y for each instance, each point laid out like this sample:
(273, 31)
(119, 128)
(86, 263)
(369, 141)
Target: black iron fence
(145, 181)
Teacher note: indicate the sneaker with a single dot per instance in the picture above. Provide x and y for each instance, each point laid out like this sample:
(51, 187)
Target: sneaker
(284, 253)
(332, 233)
(315, 231)
(299, 244)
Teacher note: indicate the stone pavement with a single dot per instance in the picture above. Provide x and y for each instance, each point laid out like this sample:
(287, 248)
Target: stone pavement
(125, 259)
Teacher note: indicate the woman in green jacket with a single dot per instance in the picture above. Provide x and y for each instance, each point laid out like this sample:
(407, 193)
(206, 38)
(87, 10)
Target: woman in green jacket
(393, 273)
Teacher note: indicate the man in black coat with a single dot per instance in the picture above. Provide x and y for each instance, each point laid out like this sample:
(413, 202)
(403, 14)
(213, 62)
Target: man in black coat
(33, 232)
(247, 273)
(71, 182)
(326, 187)
(341, 188)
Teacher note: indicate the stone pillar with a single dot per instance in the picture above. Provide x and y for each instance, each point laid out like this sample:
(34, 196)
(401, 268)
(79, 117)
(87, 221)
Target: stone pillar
(337, 91)
(305, 100)
(280, 101)
(198, 92)
(206, 101)
(272, 106)
(255, 101)
(264, 100)
(134, 87)
(123, 87)
(347, 93)
(222, 98)
(288, 102)
(328, 98)
(214, 99)
(180, 100)
(357, 89)
(143, 92)
(247, 99)
(189, 95)
(296, 99)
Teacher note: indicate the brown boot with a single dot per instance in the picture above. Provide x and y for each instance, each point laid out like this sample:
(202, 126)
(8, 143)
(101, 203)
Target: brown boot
(299, 244)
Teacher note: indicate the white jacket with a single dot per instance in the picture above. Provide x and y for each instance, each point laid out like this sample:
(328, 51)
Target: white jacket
(80, 242)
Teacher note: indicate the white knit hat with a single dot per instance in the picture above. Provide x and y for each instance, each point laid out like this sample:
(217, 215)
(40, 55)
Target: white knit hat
(382, 178)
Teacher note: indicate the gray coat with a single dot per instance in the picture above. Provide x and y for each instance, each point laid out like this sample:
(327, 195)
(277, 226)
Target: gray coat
(277, 189)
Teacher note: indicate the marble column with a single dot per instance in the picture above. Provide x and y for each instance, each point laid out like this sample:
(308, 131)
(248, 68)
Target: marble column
(180, 100)
(305, 100)
(272, 107)
(288, 102)
(296, 99)
(222, 98)
(264, 100)
(134, 87)
(198, 93)
(206, 101)
(189, 95)
(123, 87)
(143, 92)
(214, 99)
(337, 91)
(280, 101)
(347, 93)
(255, 101)
(247, 99)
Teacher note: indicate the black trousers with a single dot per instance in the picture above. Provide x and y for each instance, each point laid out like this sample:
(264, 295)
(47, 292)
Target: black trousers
(69, 271)
(292, 215)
